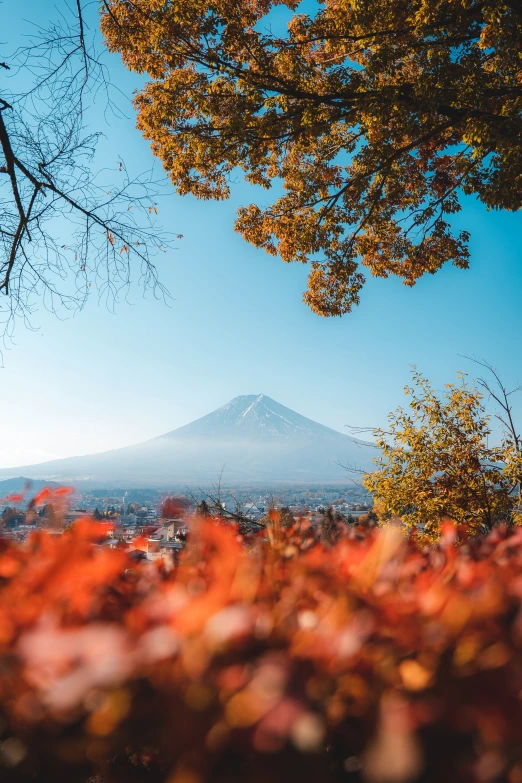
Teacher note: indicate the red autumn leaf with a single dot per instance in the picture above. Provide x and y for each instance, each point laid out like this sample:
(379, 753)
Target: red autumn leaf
(42, 496)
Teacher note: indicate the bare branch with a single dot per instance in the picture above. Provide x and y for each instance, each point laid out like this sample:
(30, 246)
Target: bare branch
(46, 153)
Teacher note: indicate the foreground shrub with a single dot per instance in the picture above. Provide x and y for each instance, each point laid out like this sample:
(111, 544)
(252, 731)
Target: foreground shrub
(271, 658)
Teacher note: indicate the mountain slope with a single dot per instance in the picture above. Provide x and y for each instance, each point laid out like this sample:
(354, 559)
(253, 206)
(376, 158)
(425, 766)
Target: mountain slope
(253, 416)
(252, 438)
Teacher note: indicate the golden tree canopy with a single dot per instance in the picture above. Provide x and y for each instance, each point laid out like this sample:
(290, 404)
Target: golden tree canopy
(437, 464)
(375, 115)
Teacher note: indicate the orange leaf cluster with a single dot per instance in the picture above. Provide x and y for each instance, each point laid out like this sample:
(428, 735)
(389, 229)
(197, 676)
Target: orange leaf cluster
(269, 657)
(374, 116)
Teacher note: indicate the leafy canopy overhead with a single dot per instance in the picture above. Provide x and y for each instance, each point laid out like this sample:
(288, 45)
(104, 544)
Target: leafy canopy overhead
(375, 114)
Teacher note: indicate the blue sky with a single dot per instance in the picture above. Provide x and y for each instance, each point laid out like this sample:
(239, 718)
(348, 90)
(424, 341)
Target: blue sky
(237, 325)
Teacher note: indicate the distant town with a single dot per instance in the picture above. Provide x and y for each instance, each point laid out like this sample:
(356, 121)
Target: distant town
(162, 520)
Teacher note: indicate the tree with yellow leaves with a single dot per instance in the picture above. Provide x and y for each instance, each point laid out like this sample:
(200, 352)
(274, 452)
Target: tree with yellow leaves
(436, 463)
(375, 115)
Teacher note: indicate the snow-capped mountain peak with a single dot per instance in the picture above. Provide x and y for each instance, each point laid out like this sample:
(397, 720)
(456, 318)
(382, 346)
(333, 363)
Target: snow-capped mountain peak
(252, 415)
(250, 438)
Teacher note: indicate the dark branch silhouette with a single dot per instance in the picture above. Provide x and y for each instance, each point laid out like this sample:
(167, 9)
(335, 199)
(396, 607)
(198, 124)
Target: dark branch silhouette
(65, 228)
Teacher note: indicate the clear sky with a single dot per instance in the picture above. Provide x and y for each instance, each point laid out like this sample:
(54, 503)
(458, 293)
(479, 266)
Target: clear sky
(237, 325)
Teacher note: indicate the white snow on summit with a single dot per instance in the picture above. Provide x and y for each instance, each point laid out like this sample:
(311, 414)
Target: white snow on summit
(254, 415)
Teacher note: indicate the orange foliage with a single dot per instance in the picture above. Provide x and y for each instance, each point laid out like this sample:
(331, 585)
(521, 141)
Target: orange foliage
(269, 657)
(374, 116)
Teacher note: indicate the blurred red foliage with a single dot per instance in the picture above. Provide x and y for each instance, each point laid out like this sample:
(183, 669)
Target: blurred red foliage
(266, 658)
(173, 507)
